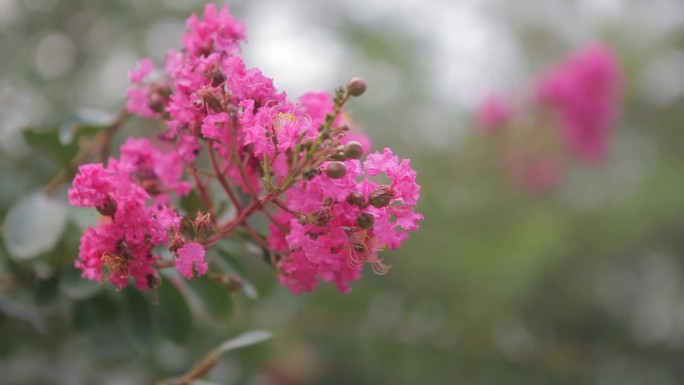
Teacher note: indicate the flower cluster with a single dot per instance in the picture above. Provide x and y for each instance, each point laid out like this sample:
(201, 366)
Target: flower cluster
(571, 116)
(298, 163)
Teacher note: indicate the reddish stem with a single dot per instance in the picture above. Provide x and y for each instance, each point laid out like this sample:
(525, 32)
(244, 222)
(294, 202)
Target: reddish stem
(221, 178)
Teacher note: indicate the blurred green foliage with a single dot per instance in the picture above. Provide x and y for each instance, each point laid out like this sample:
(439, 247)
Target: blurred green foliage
(580, 286)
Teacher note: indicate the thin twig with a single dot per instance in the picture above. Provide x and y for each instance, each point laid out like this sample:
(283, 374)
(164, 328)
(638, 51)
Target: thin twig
(221, 178)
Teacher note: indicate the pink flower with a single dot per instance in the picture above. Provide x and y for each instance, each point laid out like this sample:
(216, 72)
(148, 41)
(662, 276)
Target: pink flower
(493, 114)
(219, 31)
(583, 92)
(345, 222)
(137, 75)
(191, 256)
(156, 171)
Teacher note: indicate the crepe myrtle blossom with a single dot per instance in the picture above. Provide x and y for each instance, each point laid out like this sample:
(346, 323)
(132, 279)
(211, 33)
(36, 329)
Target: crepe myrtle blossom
(570, 118)
(302, 164)
(583, 91)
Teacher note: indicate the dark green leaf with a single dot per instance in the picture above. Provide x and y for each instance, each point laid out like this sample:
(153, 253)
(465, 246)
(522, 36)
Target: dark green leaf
(215, 298)
(48, 142)
(172, 315)
(191, 203)
(235, 265)
(137, 316)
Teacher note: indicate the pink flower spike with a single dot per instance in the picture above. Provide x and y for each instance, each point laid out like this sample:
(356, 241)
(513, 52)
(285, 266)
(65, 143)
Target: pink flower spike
(189, 256)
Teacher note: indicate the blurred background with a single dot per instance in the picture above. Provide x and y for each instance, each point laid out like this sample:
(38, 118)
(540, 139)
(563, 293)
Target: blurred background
(582, 285)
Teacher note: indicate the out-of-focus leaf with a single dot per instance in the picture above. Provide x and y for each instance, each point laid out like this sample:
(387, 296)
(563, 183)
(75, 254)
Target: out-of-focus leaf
(191, 203)
(235, 265)
(76, 287)
(137, 317)
(48, 142)
(24, 311)
(245, 339)
(34, 225)
(172, 315)
(46, 290)
(99, 318)
(85, 121)
(215, 298)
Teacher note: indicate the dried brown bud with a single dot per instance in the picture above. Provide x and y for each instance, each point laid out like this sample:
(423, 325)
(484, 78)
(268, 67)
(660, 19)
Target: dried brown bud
(336, 170)
(353, 150)
(328, 201)
(357, 199)
(356, 87)
(365, 220)
(202, 224)
(108, 207)
(153, 281)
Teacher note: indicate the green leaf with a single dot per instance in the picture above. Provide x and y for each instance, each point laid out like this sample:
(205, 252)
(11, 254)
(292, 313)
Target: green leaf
(215, 298)
(48, 142)
(137, 317)
(243, 340)
(172, 315)
(233, 264)
(191, 203)
(34, 225)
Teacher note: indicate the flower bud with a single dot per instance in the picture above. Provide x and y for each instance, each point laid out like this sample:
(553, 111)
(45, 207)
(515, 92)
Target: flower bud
(353, 150)
(153, 281)
(202, 224)
(380, 197)
(108, 207)
(336, 170)
(356, 87)
(339, 156)
(357, 199)
(156, 102)
(365, 220)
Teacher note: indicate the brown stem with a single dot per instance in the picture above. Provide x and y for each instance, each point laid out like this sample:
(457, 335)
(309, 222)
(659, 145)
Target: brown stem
(200, 368)
(256, 205)
(204, 194)
(235, 155)
(221, 178)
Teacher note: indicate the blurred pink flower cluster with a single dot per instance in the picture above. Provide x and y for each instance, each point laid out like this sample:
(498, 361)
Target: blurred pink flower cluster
(297, 163)
(571, 116)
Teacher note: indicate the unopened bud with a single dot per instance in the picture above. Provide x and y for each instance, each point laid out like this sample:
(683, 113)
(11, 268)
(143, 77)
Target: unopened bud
(217, 78)
(353, 150)
(319, 218)
(153, 281)
(356, 87)
(156, 102)
(357, 199)
(380, 197)
(336, 170)
(328, 201)
(176, 243)
(339, 156)
(108, 207)
(202, 224)
(365, 220)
